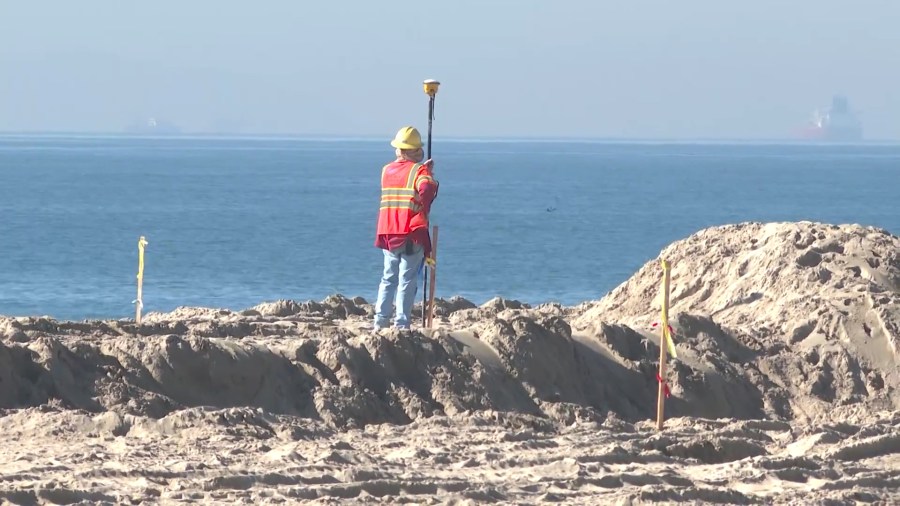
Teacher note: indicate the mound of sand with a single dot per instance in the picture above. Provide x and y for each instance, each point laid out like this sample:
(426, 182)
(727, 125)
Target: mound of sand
(785, 389)
(808, 313)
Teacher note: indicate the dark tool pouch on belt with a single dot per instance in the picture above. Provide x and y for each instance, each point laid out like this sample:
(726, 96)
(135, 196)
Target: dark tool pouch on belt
(409, 247)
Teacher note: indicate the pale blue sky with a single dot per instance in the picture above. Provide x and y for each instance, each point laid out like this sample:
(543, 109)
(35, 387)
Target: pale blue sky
(586, 68)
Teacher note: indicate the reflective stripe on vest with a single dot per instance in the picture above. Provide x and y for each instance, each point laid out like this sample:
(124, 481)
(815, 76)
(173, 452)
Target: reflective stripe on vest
(424, 178)
(401, 197)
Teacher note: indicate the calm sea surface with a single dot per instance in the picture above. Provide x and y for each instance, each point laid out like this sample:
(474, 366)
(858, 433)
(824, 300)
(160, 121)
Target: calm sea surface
(234, 222)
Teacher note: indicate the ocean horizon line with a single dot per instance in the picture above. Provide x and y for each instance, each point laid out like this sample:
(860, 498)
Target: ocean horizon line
(443, 138)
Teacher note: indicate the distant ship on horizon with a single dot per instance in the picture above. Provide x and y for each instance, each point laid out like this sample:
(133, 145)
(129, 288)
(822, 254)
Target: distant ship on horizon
(838, 123)
(153, 126)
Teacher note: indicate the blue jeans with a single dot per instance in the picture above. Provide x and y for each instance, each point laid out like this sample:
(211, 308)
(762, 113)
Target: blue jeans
(400, 280)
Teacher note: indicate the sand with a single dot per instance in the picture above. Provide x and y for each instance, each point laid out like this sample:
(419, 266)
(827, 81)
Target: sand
(785, 391)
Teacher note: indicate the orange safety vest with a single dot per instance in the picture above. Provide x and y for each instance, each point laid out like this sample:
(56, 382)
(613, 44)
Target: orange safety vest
(401, 211)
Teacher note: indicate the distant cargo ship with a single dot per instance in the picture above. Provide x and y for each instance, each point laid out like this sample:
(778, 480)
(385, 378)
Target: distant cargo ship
(838, 123)
(153, 126)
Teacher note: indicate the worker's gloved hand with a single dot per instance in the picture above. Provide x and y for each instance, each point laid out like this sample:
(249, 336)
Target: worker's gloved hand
(430, 262)
(429, 163)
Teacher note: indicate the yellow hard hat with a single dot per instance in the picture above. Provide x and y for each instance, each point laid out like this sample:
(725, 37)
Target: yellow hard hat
(407, 138)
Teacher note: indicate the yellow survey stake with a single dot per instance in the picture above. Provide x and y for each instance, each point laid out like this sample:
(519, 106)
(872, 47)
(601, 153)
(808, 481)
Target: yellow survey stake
(141, 243)
(666, 333)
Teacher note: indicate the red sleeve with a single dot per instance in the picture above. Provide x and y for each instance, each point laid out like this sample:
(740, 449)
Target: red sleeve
(427, 187)
(427, 192)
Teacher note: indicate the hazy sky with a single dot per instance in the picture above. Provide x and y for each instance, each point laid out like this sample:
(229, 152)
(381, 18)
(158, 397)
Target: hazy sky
(587, 68)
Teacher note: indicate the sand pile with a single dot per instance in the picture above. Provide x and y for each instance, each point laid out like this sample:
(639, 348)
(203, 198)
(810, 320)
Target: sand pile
(785, 388)
(808, 314)
(314, 360)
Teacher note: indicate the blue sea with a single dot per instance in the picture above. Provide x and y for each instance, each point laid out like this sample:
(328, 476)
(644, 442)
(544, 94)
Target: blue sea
(232, 222)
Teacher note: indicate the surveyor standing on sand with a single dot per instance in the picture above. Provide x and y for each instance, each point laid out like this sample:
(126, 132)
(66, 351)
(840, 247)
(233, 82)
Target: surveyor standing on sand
(408, 188)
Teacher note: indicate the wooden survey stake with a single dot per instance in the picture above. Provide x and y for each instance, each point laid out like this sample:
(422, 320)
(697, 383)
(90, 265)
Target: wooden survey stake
(434, 241)
(664, 342)
(139, 302)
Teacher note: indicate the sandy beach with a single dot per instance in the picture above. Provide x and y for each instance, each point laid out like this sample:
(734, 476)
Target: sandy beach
(786, 390)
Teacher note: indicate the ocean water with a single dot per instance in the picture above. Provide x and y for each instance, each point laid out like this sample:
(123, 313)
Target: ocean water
(234, 222)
